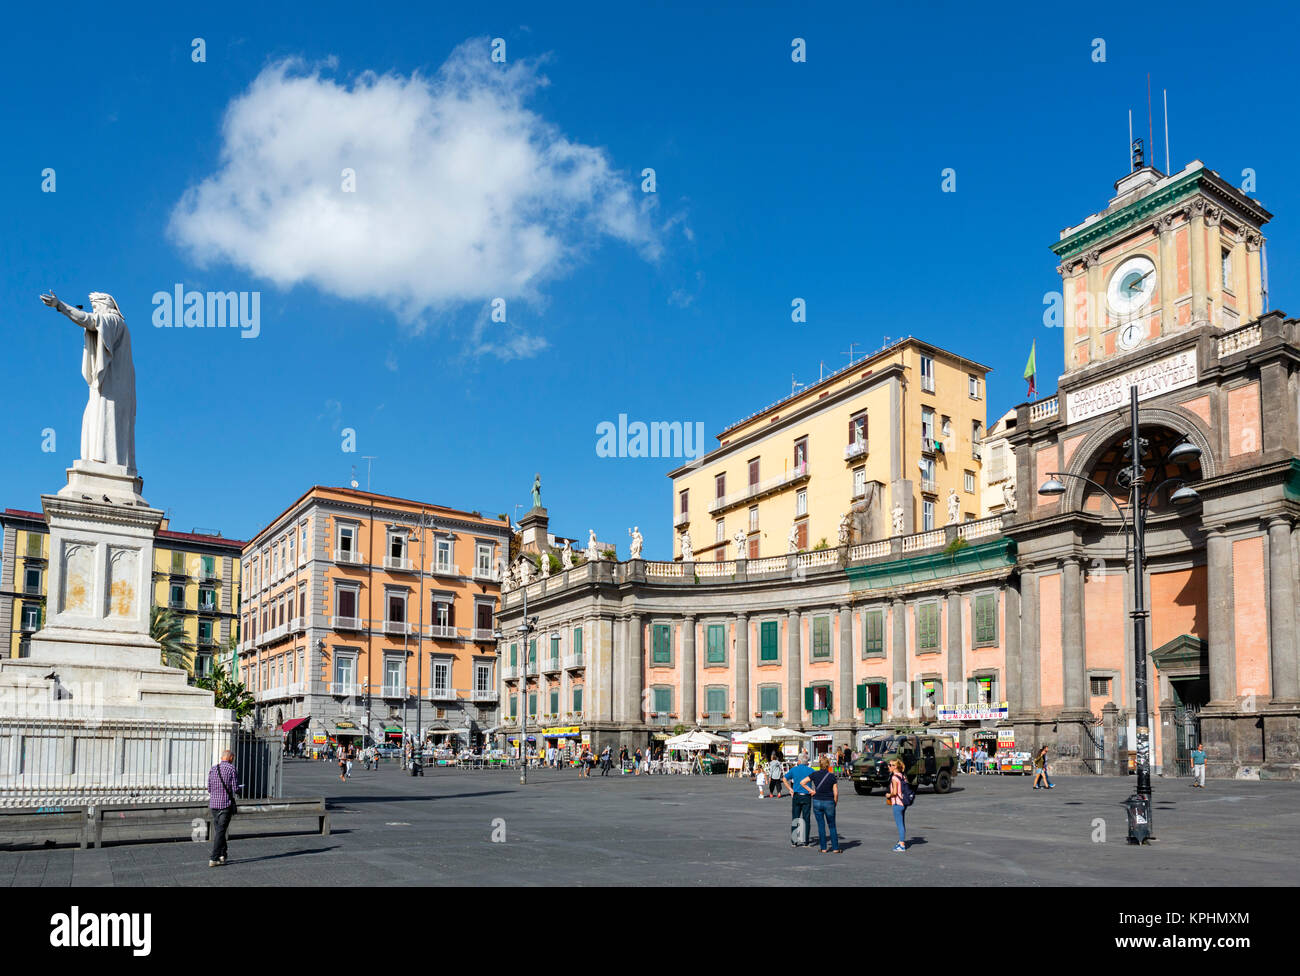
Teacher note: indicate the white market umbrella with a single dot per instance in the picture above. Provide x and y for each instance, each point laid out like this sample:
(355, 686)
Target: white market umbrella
(785, 733)
(759, 736)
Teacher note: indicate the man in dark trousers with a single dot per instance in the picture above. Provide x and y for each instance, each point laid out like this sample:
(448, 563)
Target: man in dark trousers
(223, 784)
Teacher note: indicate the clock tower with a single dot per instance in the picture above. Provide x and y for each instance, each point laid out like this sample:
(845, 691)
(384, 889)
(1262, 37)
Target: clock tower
(1167, 253)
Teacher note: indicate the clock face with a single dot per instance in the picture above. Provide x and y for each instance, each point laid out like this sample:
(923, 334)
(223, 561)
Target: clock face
(1131, 286)
(1130, 335)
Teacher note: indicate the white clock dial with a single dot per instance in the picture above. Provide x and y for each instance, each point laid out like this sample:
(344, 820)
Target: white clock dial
(1131, 286)
(1130, 335)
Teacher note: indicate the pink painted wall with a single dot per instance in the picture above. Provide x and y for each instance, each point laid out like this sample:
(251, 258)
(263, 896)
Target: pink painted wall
(1049, 640)
(1243, 420)
(1250, 620)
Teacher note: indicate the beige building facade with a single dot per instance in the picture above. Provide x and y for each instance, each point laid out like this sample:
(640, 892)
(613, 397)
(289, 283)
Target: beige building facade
(891, 442)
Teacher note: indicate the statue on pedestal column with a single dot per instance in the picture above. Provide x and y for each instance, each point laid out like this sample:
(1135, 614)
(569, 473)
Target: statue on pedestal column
(688, 554)
(537, 490)
(108, 422)
(742, 544)
(566, 555)
(634, 549)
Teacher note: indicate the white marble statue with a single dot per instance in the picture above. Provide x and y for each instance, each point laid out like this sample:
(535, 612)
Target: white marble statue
(634, 551)
(544, 563)
(794, 537)
(566, 555)
(525, 570)
(742, 544)
(688, 554)
(954, 506)
(1009, 496)
(108, 423)
(898, 520)
(593, 555)
(845, 528)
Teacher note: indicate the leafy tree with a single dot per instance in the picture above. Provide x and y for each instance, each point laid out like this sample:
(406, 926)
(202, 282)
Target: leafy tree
(227, 691)
(168, 629)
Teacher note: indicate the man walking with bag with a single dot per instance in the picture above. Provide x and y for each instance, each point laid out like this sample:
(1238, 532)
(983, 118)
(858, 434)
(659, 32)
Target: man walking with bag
(223, 784)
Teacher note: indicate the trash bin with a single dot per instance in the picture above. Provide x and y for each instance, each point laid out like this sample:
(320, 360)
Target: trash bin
(1138, 808)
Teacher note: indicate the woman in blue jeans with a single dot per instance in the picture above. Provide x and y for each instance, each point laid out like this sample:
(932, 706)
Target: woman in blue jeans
(826, 793)
(895, 800)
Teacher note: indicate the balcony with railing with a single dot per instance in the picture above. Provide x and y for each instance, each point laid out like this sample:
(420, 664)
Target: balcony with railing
(345, 623)
(929, 486)
(714, 718)
(398, 628)
(398, 564)
(209, 574)
(1044, 410)
(444, 569)
(484, 695)
(551, 665)
(486, 574)
(482, 635)
(398, 692)
(345, 689)
(443, 632)
(680, 519)
(761, 489)
(297, 625)
(295, 689)
(574, 662)
(513, 672)
(855, 450)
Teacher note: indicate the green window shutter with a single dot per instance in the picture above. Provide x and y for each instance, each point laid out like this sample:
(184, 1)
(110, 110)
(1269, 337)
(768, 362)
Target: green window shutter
(555, 648)
(874, 637)
(662, 643)
(555, 701)
(821, 637)
(577, 699)
(808, 699)
(830, 703)
(862, 697)
(514, 704)
(717, 644)
(663, 699)
(927, 627)
(577, 643)
(986, 619)
(532, 704)
(769, 698)
(532, 651)
(717, 700)
(768, 641)
(514, 655)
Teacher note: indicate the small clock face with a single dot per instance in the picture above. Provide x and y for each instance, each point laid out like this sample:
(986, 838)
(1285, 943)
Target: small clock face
(1131, 286)
(1130, 335)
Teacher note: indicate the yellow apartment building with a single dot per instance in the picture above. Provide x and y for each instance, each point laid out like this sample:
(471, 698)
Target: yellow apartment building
(891, 441)
(196, 574)
(369, 618)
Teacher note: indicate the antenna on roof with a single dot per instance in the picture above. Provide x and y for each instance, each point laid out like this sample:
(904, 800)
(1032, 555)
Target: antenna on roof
(368, 458)
(821, 370)
(1166, 91)
(1151, 138)
(794, 384)
(850, 352)
(1130, 136)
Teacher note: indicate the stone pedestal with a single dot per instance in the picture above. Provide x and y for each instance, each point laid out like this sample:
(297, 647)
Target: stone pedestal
(92, 715)
(533, 531)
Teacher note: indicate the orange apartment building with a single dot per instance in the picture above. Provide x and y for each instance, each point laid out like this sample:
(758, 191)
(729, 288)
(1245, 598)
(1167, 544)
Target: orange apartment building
(363, 610)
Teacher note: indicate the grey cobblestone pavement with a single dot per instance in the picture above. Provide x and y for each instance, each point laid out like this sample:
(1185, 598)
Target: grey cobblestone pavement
(393, 829)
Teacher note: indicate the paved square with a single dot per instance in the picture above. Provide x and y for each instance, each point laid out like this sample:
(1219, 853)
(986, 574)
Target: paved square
(393, 829)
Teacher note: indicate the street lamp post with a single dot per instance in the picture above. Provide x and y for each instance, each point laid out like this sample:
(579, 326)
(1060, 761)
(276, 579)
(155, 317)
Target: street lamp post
(417, 752)
(1139, 498)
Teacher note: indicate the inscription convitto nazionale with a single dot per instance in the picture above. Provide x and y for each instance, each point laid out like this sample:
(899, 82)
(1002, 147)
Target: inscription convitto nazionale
(1152, 380)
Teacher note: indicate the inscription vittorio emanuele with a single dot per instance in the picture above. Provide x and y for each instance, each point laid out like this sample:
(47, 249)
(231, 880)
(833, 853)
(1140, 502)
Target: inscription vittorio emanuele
(1154, 379)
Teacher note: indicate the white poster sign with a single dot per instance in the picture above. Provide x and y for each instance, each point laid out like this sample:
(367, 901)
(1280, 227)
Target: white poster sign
(1153, 380)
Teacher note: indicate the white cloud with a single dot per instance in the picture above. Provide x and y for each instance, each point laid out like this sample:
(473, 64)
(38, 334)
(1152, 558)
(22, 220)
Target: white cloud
(462, 193)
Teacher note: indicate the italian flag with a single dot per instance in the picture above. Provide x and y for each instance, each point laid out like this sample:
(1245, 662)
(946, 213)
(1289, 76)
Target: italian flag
(1031, 370)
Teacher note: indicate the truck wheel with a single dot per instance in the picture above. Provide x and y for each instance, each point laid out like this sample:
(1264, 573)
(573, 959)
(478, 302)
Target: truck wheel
(864, 789)
(943, 781)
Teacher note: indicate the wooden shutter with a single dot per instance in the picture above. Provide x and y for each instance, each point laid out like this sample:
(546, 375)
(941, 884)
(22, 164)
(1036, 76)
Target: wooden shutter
(768, 632)
(808, 699)
(862, 697)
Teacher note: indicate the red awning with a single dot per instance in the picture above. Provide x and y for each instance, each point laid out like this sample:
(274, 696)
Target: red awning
(293, 723)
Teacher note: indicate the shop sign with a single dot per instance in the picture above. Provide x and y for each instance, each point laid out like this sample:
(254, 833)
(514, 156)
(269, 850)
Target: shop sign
(1006, 738)
(977, 712)
(318, 738)
(565, 732)
(1153, 380)
(345, 725)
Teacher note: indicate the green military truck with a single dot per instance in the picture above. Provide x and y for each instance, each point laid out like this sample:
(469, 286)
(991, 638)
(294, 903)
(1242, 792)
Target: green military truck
(929, 760)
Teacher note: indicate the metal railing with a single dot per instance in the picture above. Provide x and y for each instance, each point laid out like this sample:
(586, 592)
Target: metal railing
(345, 623)
(574, 661)
(484, 695)
(344, 689)
(855, 450)
(398, 627)
(681, 518)
(444, 569)
(753, 491)
(72, 762)
(399, 563)
(348, 557)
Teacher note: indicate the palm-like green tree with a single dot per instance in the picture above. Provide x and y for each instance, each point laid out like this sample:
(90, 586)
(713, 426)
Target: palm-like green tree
(168, 629)
(227, 691)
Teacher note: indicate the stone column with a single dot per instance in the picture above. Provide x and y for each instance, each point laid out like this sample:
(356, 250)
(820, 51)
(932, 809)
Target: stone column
(898, 706)
(1096, 305)
(634, 672)
(1073, 664)
(1200, 295)
(1030, 670)
(1214, 258)
(1167, 276)
(848, 701)
(793, 671)
(1285, 684)
(687, 667)
(956, 670)
(1011, 646)
(1220, 611)
(741, 710)
(604, 668)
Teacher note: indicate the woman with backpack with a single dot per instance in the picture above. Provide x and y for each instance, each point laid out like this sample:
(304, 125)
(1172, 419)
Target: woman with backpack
(899, 798)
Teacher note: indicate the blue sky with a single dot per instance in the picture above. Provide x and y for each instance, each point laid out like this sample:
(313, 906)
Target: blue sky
(476, 181)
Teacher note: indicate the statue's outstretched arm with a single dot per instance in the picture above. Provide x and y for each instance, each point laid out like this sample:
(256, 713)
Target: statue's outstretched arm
(82, 318)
